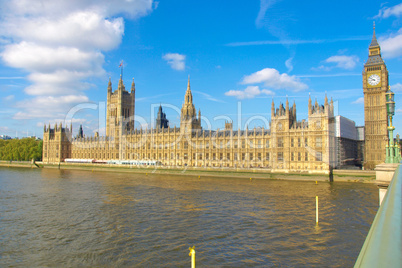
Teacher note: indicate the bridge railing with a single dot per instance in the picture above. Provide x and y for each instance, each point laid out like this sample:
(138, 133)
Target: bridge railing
(383, 244)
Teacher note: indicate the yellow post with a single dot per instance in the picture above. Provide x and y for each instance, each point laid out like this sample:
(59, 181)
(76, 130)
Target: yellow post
(316, 209)
(192, 255)
(316, 182)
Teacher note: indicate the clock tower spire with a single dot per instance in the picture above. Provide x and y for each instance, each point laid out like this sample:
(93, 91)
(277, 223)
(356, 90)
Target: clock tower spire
(375, 84)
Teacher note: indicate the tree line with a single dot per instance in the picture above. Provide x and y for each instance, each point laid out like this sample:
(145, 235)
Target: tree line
(24, 149)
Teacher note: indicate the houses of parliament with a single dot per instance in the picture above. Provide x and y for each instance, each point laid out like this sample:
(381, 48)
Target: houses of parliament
(289, 145)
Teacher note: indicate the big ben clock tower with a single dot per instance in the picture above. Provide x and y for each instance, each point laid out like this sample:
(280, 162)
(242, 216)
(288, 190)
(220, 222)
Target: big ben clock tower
(375, 84)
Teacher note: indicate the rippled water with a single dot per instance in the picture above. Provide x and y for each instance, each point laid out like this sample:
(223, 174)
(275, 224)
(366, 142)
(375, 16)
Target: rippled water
(80, 219)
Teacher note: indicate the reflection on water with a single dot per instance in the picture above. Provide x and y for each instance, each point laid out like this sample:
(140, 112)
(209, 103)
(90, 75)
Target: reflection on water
(76, 218)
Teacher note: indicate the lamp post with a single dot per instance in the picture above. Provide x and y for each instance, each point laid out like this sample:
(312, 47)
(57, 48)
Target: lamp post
(390, 157)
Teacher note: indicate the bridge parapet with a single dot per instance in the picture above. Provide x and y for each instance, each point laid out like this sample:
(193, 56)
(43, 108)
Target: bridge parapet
(383, 244)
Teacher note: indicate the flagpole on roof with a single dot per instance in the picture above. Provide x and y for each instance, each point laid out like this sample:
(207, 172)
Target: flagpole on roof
(121, 65)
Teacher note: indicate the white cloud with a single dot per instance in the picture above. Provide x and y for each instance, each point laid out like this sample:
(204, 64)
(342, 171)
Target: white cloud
(52, 122)
(277, 20)
(249, 92)
(340, 61)
(359, 101)
(60, 44)
(289, 65)
(82, 29)
(264, 6)
(327, 75)
(344, 62)
(40, 58)
(397, 87)
(48, 107)
(207, 96)
(54, 70)
(387, 12)
(9, 98)
(287, 42)
(175, 60)
(321, 68)
(56, 8)
(273, 79)
(391, 45)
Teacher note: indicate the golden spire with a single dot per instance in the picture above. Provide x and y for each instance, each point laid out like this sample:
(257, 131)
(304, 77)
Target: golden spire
(188, 97)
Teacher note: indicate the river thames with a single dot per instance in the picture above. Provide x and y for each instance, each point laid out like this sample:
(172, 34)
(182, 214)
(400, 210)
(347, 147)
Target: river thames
(59, 218)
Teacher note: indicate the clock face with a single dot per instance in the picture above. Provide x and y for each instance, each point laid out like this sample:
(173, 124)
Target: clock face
(374, 79)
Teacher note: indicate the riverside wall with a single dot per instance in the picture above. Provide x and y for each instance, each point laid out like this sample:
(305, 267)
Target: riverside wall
(253, 173)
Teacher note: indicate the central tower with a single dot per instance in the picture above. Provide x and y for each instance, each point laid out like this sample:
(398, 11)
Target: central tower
(375, 84)
(188, 117)
(120, 109)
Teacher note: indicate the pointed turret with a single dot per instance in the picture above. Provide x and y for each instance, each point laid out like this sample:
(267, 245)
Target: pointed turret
(161, 121)
(188, 97)
(199, 115)
(80, 132)
(374, 51)
(294, 110)
(109, 86)
(310, 107)
(188, 117)
(133, 86)
(374, 42)
(121, 85)
(272, 108)
(287, 107)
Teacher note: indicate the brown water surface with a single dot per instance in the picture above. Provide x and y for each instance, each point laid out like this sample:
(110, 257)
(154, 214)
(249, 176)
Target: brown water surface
(58, 218)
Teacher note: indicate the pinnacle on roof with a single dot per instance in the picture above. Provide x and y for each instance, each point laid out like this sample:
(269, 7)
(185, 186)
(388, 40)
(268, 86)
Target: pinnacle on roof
(188, 83)
(121, 85)
(133, 85)
(374, 42)
(109, 85)
(188, 97)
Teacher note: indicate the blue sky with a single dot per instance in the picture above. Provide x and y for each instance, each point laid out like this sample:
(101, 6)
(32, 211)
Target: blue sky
(57, 56)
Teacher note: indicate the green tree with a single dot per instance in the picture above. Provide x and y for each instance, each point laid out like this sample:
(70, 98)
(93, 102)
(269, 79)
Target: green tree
(24, 149)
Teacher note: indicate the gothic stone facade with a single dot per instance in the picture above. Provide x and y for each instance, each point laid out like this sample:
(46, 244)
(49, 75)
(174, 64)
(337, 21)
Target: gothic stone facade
(289, 145)
(56, 143)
